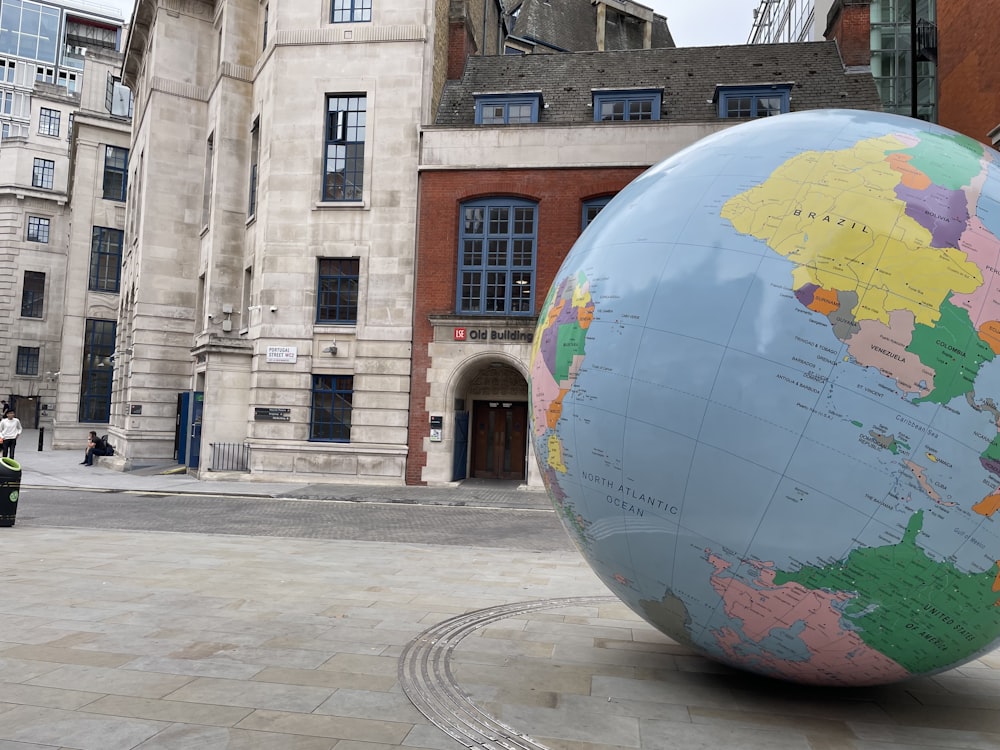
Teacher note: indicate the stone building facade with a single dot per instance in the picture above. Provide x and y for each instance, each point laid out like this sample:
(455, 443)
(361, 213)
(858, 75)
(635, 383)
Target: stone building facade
(266, 316)
(267, 281)
(64, 123)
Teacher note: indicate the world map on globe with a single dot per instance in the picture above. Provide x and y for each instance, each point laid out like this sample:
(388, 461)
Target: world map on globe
(764, 389)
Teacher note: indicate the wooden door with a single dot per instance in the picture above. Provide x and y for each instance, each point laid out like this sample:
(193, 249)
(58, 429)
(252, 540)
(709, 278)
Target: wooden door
(499, 440)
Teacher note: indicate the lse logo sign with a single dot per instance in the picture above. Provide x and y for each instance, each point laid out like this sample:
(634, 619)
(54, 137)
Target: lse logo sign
(459, 334)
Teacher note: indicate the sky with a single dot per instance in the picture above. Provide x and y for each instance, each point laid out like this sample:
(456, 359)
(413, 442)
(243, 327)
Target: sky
(702, 23)
(693, 23)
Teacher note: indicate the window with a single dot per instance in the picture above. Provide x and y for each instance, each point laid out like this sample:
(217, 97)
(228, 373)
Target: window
(496, 267)
(105, 259)
(117, 97)
(95, 390)
(267, 9)
(344, 160)
(760, 101)
(507, 110)
(30, 30)
(206, 196)
(345, 11)
(43, 173)
(254, 158)
(48, 121)
(27, 360)
(7, 70)
(33, 294)
(591, 208)
(12, 129)
(38, 229)
(247, 289)
(627, 105)
(81, 32)
(68, 80)
(330, 413)
(115, 173)
(337, 295)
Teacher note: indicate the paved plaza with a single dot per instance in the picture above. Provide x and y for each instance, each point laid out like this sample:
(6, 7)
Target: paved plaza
(115, 639)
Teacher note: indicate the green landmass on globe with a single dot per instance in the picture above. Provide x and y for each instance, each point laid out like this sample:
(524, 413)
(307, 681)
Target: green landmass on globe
(763, 397)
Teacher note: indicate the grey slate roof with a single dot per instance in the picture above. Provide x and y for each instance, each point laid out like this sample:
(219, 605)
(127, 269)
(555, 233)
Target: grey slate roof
(571, 25)
(688, 76)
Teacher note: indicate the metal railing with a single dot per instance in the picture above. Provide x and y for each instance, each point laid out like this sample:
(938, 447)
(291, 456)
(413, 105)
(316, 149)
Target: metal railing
(230, 457)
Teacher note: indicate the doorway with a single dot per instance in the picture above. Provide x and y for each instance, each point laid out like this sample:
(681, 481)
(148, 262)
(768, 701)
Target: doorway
(499, 447)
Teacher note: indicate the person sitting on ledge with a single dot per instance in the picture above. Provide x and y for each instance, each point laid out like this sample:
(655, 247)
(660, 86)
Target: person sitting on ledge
(95, 447)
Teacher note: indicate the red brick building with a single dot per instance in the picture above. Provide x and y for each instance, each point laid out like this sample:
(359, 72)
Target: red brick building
(525, 150)
(969, 67)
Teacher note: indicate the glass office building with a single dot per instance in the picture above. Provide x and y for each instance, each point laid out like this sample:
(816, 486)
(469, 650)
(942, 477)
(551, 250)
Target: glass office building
(891, 30)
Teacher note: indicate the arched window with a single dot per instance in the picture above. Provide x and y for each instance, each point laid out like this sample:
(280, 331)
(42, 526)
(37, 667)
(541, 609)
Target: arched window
(496, 257)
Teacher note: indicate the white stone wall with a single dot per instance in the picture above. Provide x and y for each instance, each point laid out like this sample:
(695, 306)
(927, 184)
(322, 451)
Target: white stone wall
(565, 146)
(73, 205)
(183, 272)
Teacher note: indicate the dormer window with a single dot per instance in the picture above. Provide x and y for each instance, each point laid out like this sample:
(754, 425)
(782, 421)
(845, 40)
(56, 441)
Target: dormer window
(507, 109)
(747, 102)
(627, 105)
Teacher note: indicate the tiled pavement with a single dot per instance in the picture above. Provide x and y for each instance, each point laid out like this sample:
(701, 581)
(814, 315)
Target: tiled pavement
(112, 640)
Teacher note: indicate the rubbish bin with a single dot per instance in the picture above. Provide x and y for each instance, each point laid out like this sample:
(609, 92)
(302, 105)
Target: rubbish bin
(10, 487)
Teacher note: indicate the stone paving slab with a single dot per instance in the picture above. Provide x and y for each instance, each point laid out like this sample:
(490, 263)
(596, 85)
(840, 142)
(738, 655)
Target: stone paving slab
(124, 640)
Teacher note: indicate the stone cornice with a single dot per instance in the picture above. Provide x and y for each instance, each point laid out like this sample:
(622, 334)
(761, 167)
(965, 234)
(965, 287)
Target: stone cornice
(355, 34)
(239, 72)
(176, 88)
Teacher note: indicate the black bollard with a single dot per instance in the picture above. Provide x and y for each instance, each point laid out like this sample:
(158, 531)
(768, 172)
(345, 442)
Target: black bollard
(41, 437)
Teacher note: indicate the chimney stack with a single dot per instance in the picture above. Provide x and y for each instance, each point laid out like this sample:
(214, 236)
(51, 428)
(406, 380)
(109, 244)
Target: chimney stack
(849, 24)
(461, 40)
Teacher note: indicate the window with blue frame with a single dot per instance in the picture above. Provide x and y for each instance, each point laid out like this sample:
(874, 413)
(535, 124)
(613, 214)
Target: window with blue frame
(105, 259)
(330, 412)
(496, 257)
(344, 156)
(591, 208)
(753, 101)
(95, 390)
(348, 11)
(507, 109)
(632, 105)
(337, 291)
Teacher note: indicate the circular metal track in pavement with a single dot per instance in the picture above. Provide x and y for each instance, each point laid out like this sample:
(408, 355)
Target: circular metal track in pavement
(426, 677)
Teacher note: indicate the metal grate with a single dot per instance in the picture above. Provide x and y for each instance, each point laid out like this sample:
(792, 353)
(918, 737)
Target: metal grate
(230, 456)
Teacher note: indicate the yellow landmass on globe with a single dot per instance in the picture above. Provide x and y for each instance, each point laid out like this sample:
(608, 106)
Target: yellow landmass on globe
(555, 459)
(837, 216)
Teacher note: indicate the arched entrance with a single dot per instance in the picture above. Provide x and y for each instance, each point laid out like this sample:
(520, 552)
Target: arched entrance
(494, 408)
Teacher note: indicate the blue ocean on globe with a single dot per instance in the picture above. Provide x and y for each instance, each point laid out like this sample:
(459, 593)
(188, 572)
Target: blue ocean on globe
(765, 390)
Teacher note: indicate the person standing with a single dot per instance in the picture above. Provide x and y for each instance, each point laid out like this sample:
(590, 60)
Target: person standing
(10, 429)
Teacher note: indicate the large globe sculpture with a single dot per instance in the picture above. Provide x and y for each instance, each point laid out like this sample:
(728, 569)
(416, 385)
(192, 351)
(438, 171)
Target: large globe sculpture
(766, 397)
